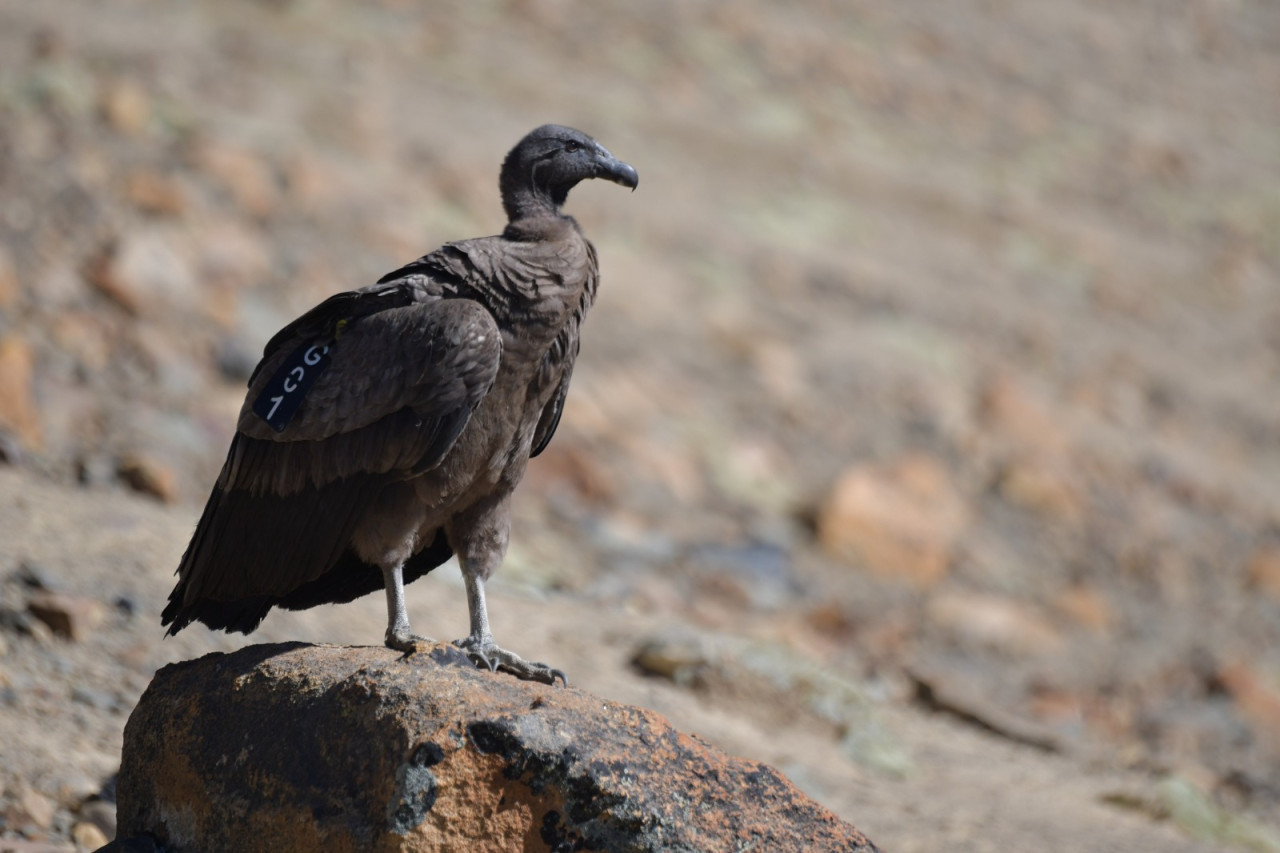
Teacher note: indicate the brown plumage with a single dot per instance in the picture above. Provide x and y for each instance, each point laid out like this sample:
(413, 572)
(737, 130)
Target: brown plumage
(386, 429)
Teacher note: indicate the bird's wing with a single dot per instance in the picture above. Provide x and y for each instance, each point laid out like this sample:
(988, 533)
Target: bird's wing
(397, 390)
(550, 418)
(390, 391)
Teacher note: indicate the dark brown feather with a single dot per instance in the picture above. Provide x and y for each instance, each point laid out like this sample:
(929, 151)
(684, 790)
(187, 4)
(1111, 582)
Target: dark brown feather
(437, 385)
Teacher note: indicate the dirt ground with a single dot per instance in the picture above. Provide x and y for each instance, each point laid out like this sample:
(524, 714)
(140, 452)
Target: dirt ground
(925, 432)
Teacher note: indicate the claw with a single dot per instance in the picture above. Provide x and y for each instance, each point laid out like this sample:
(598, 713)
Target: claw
(406, 642)
(486, 653)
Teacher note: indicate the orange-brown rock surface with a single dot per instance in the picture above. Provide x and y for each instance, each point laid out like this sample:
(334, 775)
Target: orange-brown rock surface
(299, 747)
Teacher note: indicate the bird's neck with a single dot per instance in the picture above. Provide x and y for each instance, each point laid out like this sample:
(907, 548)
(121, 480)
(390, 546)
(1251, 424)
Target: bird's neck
(541, 225)
(525, 201)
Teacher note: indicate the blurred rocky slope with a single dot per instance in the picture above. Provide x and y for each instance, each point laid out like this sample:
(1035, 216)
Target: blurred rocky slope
(940, 341)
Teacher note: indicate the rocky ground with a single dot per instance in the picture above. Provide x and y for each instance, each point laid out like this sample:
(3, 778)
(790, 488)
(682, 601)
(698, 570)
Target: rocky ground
(924, 441)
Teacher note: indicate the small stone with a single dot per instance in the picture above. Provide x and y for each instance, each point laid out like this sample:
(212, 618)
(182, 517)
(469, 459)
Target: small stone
(237, 359)
(33, 576)
(231, 254)
(144, 474)
(70, 616)
(18, 412)
(1042, 487)
(683, 661)
(9, 290)
(88, 836)
(102, 814)
(126, 106)
(32, 809)
(994, 623)
(1009, 408)
(155, 193)
(1086, 606)
(144, 270)
(244, 174)
(1264, 573)
(95, 469)
(899, 522)
(940, 691)
(23, 623)
(1257, 696)
(10, 449)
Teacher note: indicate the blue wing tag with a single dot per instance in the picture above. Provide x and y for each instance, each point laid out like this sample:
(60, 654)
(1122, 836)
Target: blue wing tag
(279, 401)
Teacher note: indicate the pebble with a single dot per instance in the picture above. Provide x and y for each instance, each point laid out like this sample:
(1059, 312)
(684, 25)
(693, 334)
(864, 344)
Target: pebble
(88, 836)
(31, 808)
(101, 813)
(899, 522)
(70, 616)
(148, 476)
(33, 576)
(18, 411)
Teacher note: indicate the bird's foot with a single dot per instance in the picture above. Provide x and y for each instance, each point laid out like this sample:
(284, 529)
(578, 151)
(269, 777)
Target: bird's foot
(484, 652)
(406, 641)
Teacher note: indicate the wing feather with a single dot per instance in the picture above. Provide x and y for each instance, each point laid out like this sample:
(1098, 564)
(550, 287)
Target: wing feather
(399, 389)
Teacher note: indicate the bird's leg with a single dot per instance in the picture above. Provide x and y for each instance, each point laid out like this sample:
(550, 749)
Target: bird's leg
(483, 651)
(480, 540)
(399, 636)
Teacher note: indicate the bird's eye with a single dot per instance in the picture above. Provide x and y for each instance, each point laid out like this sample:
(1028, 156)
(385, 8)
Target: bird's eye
(572, 146)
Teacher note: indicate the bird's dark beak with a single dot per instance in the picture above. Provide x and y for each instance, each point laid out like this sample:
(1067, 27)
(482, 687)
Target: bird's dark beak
(612, 169)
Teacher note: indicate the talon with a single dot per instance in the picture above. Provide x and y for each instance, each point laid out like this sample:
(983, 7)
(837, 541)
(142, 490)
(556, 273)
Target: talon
(488, 654)
(407, 643)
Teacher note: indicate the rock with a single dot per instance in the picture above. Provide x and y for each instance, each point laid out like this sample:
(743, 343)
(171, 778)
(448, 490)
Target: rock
(18, 412)
(947, 694)
(144, 474)
(145, 270)
(232, 255)
(1256, 696)
(362, 748)
(88, 836)
(10, 449)
(32, 576)
(1042, 486)
(156, 193)
(126, 106)
(243, 173)
(1086, 606)
(9, 290)
(101, 814)
(31, 809)
(1009, 408)
(900, 522)
(21, 622)
(1264, 573)
(70, 616)
(681, 660)
(994, 623)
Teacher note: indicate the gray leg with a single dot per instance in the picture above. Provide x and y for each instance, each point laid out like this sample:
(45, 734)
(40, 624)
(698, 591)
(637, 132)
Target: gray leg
(483, 651)
(480, 541)
(399, 636)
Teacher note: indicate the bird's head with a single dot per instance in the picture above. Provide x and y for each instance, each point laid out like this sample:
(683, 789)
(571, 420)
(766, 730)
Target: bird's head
(539, 172)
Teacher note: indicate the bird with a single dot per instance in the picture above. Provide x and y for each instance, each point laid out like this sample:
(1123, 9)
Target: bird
(385, 430)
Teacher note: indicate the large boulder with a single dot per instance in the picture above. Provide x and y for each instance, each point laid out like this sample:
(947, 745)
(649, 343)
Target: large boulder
(298, 747)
